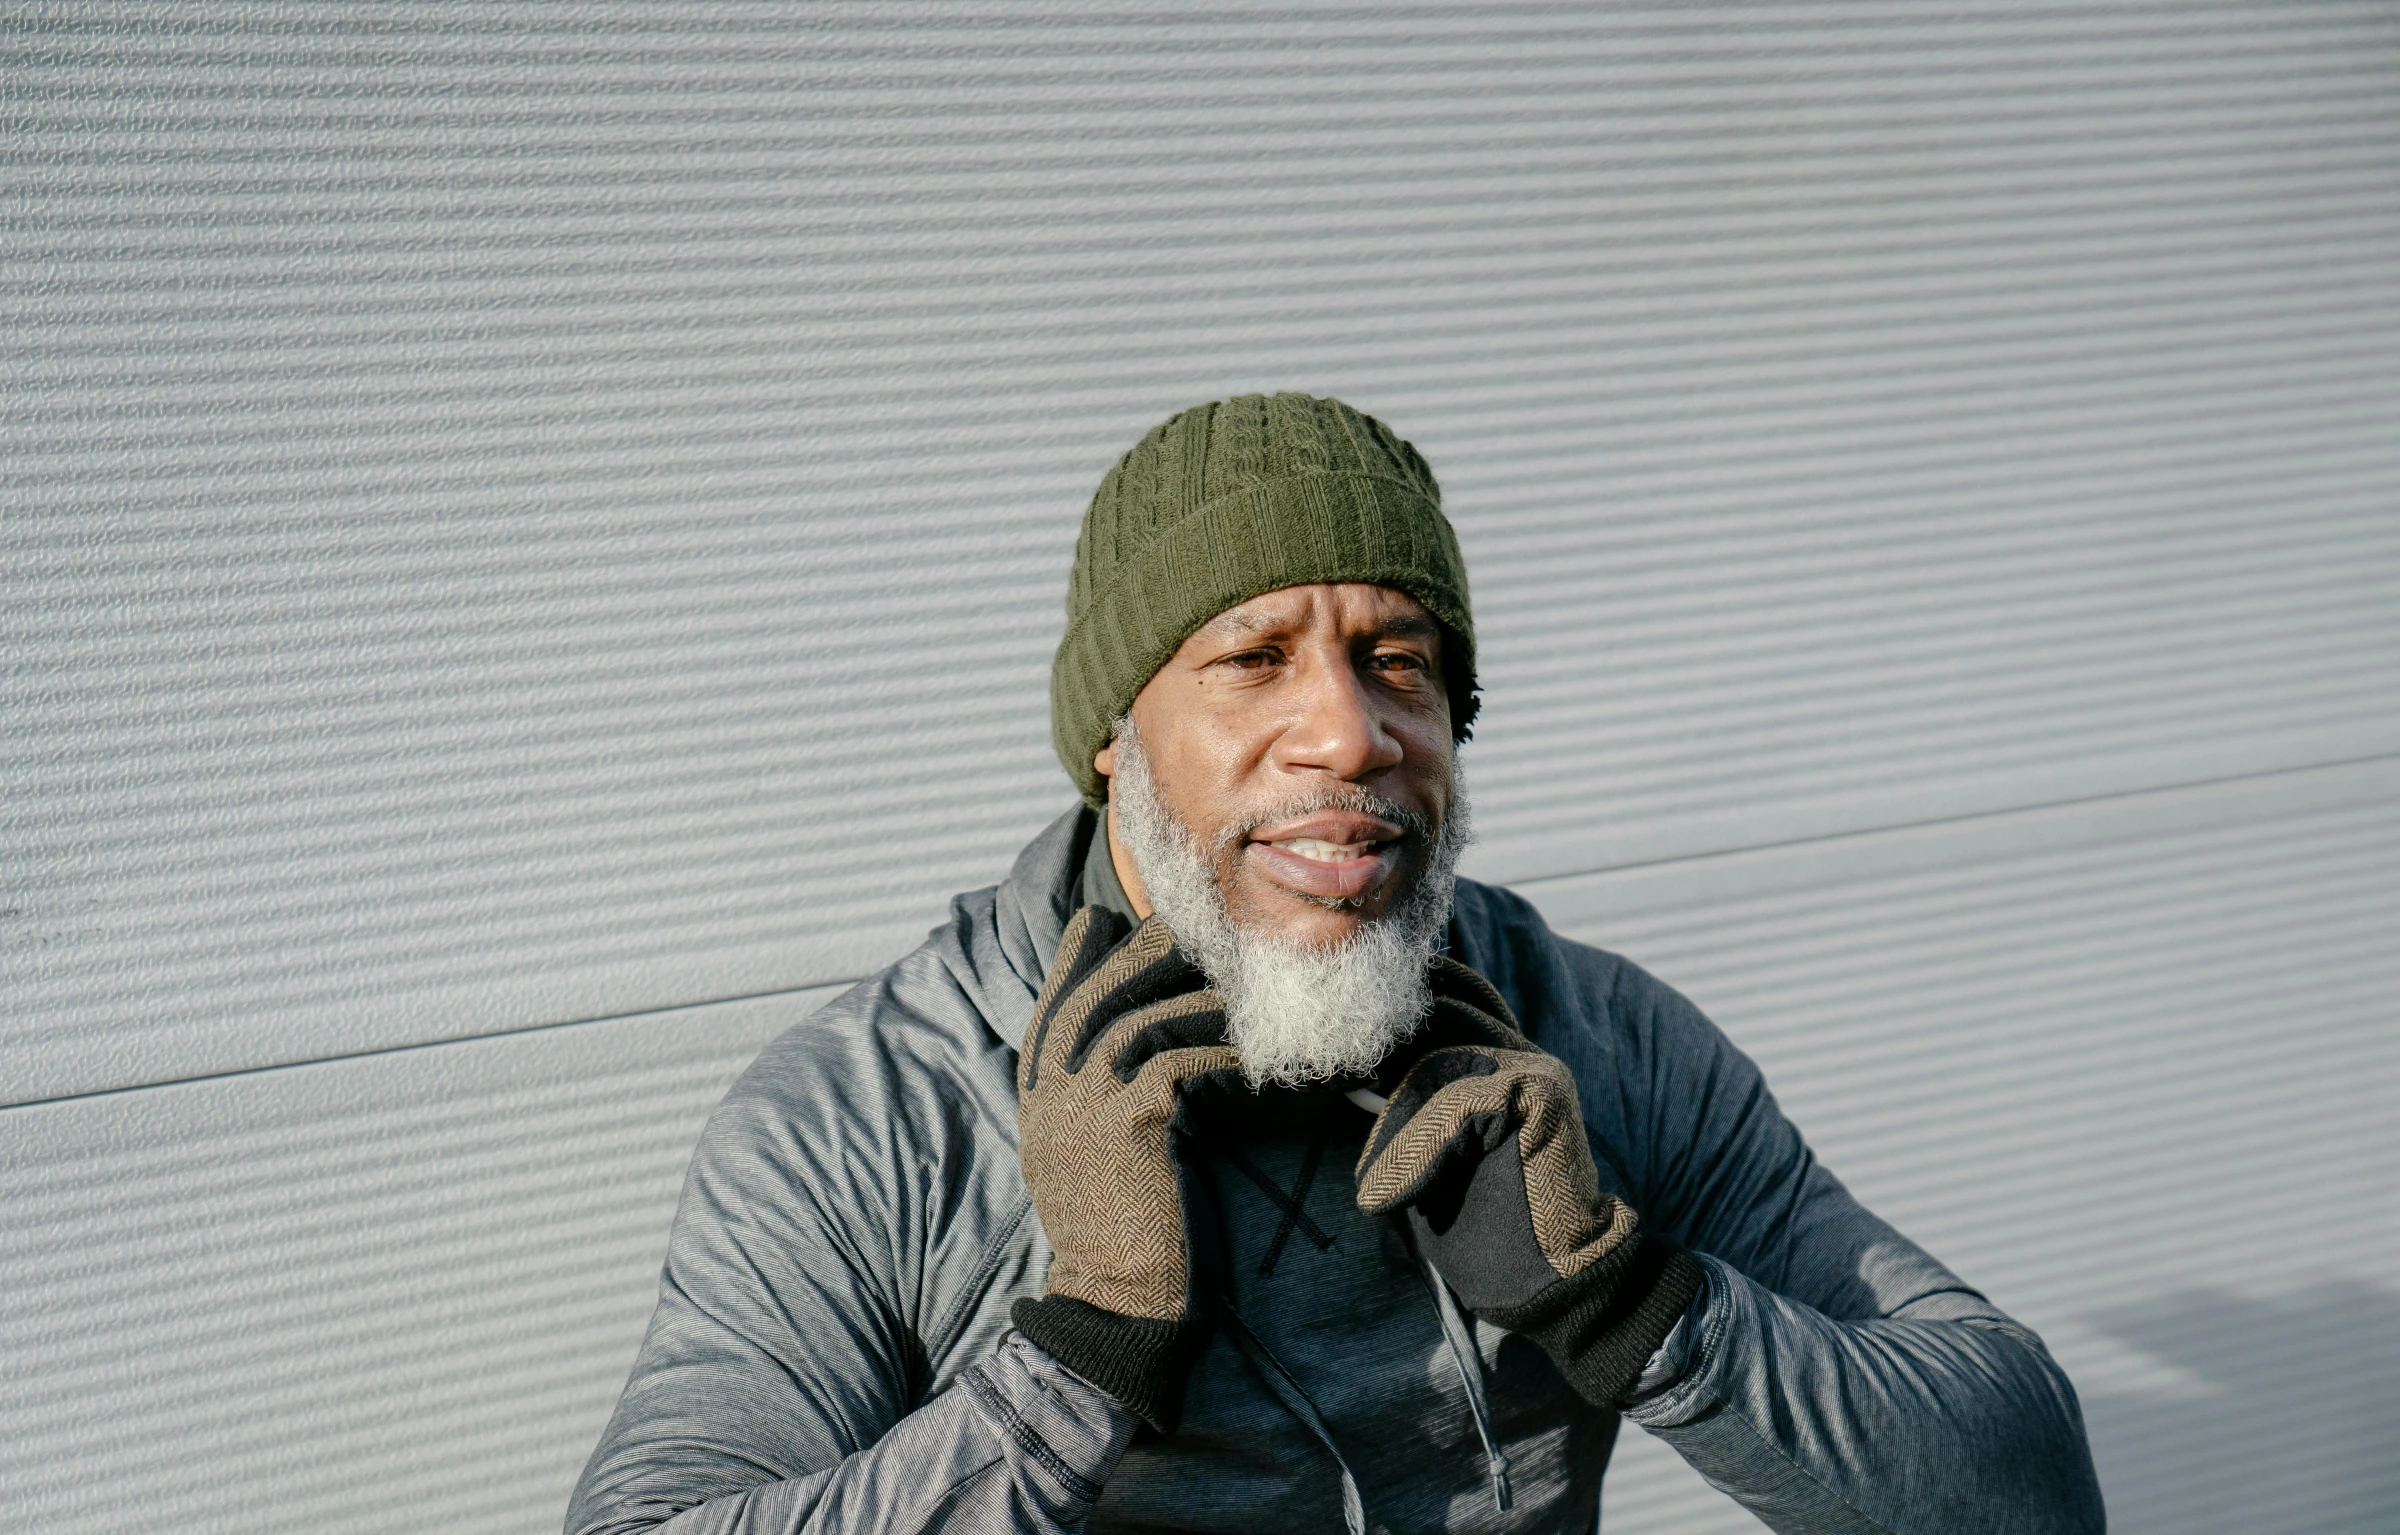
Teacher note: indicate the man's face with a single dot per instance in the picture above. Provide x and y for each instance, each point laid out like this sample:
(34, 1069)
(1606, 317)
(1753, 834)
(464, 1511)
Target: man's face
(1298, 697)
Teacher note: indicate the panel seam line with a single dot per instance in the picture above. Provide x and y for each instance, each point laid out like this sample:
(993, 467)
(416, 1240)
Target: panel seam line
(1521, 884)
(1963, 818)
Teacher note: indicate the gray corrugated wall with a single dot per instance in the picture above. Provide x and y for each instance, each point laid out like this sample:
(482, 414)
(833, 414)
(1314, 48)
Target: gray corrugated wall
(532, 538)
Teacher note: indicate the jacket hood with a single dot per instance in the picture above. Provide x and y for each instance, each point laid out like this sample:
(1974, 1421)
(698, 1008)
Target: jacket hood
(1000, 941)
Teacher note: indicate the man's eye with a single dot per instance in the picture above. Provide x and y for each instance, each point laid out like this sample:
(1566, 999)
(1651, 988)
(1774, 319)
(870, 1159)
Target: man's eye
(1399, 661)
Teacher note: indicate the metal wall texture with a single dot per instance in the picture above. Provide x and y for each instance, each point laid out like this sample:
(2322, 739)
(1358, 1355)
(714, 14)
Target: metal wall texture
(531, 536)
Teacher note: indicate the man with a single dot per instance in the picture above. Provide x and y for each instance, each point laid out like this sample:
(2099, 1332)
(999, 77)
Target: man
(1234, 1166)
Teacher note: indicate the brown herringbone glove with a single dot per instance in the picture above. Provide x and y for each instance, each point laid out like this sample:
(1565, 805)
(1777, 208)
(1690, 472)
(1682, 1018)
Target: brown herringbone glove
(1483, 1147)
(1125, 1035)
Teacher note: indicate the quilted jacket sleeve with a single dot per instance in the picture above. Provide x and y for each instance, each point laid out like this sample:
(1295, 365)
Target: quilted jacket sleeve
(798, 1374)
(1834, 1377)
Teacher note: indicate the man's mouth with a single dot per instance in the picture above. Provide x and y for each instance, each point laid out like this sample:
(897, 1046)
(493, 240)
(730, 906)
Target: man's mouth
(1330, 856)
(1325, 852)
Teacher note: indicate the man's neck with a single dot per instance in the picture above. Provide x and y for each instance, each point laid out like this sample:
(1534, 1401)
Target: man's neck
(1127, 875)
(1100, 883)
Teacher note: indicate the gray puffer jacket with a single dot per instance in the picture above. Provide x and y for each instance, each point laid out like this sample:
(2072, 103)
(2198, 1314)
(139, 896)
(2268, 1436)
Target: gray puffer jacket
(831, 1350)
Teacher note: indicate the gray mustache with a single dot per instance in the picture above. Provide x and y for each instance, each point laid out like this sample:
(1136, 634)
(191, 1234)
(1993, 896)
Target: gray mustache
(1415, 824)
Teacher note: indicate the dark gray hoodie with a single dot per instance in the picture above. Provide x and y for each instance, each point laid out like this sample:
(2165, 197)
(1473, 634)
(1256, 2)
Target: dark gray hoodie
(831, 1348)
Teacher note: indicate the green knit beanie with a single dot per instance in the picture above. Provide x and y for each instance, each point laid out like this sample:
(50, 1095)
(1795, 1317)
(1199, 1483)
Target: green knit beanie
(1222, 502)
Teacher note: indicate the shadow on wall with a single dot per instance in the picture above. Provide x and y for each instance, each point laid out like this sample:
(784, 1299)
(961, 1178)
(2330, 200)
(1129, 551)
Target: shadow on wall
(2297, 1430)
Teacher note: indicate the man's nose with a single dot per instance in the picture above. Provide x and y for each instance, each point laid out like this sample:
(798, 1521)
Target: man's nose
(1337, 730)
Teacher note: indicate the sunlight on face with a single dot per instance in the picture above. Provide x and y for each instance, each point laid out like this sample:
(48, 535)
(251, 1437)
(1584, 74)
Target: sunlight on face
(1304, 739)
(1305, 856)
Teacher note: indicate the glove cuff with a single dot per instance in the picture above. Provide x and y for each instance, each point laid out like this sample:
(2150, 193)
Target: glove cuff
(1601, 1326)
(1137, 1360)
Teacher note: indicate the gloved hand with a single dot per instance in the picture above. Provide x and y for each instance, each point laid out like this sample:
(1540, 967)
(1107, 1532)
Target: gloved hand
(1125, 1036)
(1481, 1144)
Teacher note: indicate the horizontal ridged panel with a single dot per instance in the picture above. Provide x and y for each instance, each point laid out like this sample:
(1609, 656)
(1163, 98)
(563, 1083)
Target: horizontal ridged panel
(521, 513)
(397, 1293)
(2126, 1066)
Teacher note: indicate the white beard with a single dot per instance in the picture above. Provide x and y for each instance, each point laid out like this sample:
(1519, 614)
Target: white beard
(1297, 1013)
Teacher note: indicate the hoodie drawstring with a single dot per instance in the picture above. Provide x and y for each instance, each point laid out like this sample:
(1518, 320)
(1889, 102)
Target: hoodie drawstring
(1470, 1372)
(1295, 1401)
(1463, 1353)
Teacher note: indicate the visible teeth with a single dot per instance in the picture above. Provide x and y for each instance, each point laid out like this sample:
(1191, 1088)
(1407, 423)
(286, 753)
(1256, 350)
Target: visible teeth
(1321, 850)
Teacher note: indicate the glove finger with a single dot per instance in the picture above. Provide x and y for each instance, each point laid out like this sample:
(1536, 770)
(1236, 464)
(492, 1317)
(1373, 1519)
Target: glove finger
(1502, 1092)
(1428, 1075)
(1477, 1001)
(1430, 1108)
(1523, 1109)
(1452, 1021)
(1170, 1084)
(1573, 1220)
(1144, 968)
(1194, 1018)
(1466, 1010)
(1148, 968)
(1436, 1192)
(1179, 1067)
(1091, 935)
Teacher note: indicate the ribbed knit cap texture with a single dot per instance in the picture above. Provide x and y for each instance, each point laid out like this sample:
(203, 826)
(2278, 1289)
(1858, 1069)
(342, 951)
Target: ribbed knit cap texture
(1220, 503)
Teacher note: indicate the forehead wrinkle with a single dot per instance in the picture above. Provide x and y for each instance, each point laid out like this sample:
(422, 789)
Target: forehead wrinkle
(1238, 620)
(1239, 624)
